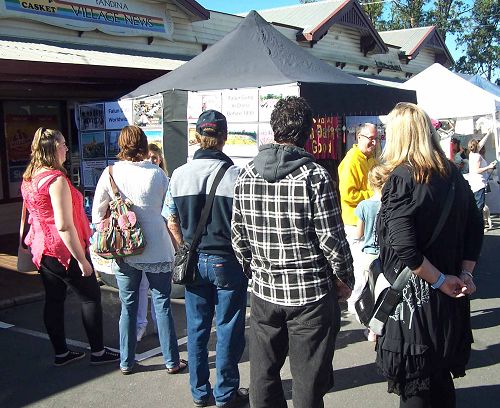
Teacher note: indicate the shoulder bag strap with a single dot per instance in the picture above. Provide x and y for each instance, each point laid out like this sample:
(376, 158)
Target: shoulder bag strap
(21, 228)
(208, 206)
(116, 192)
(405, 274)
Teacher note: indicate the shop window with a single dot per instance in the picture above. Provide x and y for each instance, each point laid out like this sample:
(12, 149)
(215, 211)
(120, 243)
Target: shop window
(21, 120)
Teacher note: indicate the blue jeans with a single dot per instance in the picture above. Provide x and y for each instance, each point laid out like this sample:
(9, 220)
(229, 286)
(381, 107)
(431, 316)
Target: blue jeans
(480, 197)
(128, 279)
(220, 286)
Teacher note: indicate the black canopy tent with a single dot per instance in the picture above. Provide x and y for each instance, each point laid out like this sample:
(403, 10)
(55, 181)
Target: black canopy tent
(256, 54)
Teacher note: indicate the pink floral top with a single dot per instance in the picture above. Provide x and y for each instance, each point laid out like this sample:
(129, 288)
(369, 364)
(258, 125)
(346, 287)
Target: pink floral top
(43, 237)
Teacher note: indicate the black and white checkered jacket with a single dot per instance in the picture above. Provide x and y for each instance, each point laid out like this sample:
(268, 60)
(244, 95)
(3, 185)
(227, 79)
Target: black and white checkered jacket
(290, 234)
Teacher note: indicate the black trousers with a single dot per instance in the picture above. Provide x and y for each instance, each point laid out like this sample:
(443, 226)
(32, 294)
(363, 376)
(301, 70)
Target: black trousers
(440, 395)
(307, 334)
(55, 280)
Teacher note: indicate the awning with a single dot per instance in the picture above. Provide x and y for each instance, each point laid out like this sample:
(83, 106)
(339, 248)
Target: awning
(37, 52)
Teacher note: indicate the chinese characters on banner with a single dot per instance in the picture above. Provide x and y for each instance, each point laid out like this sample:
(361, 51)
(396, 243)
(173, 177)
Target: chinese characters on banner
(324, 136)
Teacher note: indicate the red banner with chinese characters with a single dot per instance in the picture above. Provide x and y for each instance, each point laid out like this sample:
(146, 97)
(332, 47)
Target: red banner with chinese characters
(322, 142)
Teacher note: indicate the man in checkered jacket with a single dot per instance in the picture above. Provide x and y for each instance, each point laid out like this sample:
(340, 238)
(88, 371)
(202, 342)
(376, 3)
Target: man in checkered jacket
(288, 235)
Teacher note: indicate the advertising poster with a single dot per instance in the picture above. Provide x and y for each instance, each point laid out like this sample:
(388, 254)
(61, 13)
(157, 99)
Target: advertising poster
(91, 117)
(269, 95)
(240, 105)
(148, 112)
(112, 148)
(118, 114)
(15, 180)
(92, 145)
(324, 137)
(92, 170)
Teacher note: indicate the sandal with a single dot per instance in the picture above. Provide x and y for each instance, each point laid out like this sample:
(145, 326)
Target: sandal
(177, 369)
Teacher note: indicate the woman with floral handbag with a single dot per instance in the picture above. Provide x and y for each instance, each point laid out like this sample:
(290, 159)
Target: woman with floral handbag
(142, 185)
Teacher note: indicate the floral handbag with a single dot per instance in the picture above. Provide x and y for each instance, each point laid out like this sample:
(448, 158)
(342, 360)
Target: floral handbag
(119, 234)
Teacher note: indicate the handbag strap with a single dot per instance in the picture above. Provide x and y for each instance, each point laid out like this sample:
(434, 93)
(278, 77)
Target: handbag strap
(406, 273)
(116, 192)
(23, 223)
(208, 206)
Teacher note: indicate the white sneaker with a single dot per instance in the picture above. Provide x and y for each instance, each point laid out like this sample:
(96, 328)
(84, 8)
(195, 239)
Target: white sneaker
(140, 332)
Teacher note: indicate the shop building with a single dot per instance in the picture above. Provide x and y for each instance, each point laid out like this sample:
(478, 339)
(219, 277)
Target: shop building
(54, 54)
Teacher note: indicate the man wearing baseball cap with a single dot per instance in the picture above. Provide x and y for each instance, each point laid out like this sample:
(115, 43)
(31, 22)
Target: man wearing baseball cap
(220, 285)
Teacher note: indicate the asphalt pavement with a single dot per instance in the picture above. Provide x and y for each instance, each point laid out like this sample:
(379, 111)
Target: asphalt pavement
(27, 377)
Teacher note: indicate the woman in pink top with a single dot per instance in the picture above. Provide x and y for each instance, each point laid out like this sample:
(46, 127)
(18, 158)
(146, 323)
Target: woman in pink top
(59, 238)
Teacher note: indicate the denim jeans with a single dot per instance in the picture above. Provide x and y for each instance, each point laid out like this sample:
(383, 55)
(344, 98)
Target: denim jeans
(128, 279)
(307, 334)
(220, 286)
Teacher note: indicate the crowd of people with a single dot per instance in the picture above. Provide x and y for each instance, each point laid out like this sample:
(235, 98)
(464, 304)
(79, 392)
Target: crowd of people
(280, 222)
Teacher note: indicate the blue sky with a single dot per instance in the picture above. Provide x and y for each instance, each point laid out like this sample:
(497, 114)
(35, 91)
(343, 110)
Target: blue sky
(240, 6)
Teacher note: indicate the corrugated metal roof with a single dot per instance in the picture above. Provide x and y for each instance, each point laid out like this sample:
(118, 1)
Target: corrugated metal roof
(407, 40)
(306, 16)
(26, 51)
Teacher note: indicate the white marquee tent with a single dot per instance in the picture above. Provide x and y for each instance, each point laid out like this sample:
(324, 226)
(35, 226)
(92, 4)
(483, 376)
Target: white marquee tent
(445, 95)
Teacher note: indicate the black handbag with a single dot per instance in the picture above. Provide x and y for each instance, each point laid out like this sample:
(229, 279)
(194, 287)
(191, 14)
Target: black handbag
(186, 257)
(379, 298)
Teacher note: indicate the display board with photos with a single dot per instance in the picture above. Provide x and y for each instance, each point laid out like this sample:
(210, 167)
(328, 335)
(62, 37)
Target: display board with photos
(248, 112)
(99, 128)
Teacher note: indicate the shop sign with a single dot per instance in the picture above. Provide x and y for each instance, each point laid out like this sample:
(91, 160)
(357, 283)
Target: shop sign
(322, 142)
(124, 17)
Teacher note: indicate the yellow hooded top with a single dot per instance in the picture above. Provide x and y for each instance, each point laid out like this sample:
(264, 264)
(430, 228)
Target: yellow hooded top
(353, 182)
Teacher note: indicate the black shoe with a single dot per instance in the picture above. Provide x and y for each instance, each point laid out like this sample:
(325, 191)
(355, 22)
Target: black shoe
(200, 403)
(238, 399)
(68, 358)
(108, 357)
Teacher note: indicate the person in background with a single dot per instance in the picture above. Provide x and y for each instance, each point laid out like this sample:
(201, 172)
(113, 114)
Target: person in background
(353, 184)
(428, 336)
(459, 157)
(59, 240)
(220, 284)
(479, 170)
(155, 156)
(367, 212)
(287, 233)
(145, 184)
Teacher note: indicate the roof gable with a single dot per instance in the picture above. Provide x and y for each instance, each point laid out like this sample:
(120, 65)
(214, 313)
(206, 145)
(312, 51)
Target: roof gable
(194, 8)
(412, 40)
(315, 19)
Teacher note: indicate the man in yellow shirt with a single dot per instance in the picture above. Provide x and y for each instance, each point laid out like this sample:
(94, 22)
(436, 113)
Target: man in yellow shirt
(354, 188)
(353, 173)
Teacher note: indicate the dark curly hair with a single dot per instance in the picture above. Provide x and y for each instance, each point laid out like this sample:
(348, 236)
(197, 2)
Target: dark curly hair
(133, 144)
(292, 120)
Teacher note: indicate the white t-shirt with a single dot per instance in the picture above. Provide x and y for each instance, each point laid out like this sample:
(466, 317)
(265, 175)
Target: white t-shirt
(477, 181)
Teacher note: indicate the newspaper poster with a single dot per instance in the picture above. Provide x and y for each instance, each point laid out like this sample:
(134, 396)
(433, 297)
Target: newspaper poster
(118, 114)
(148, 112)
(92, 117)
(92, 170)
(92, 145)
(240, 105)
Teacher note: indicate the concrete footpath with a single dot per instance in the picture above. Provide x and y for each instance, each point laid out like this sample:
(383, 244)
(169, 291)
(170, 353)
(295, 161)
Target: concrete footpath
(27, 377)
